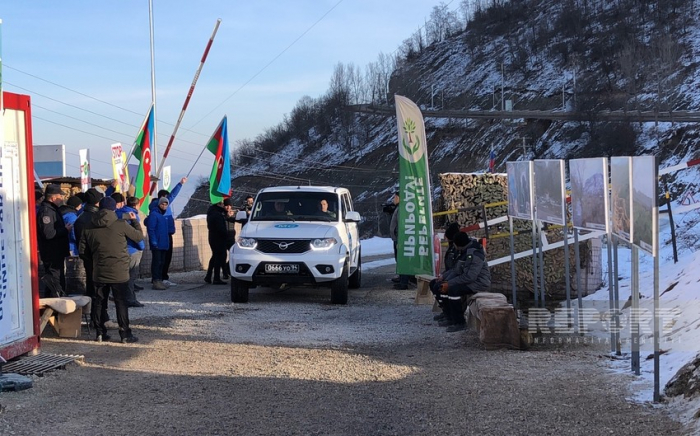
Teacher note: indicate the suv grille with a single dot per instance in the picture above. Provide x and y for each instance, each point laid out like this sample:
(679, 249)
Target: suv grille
(291, 246)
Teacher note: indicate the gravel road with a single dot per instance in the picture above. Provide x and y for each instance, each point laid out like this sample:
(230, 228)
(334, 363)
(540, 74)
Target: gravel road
(290, 363)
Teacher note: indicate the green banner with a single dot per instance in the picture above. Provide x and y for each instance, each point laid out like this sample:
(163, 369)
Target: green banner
(415, 241)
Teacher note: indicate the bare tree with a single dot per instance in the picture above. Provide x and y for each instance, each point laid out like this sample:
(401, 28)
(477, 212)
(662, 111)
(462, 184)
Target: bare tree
(442, 24)
(666, 52)
(356, 84)
(629, 68)
(339, 88)
(372, 81)
(407, 49)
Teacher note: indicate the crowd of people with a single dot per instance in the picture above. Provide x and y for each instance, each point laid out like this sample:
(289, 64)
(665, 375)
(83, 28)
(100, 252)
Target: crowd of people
(103, 228)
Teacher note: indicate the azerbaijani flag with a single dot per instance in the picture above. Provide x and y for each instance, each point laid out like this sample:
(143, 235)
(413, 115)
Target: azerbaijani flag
(142, 151)
(220, 178)
(492, 160)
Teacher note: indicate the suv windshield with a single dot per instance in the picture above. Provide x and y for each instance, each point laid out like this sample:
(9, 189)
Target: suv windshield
(295, 206)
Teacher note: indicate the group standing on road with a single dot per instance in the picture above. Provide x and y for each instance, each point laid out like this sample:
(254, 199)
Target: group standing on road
(103, 229)
(106, 233)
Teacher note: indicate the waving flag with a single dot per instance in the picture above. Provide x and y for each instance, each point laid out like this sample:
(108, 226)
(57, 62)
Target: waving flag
(220, 178)
(492, 160)
(142, 151)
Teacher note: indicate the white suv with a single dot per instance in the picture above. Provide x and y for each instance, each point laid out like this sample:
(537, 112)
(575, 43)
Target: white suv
(298, 235)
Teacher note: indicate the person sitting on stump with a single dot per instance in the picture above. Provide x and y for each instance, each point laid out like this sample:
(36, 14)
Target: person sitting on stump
(469, 275)
(451, 257)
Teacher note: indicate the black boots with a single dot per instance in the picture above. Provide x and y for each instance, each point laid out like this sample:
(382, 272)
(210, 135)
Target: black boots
(456, 315)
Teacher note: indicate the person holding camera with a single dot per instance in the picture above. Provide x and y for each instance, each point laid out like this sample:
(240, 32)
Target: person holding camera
(248, 205)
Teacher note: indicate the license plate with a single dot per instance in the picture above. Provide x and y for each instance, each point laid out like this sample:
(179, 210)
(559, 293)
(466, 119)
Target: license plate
(280, 268)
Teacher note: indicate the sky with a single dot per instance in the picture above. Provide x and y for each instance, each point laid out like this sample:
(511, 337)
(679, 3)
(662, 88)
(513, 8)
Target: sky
(87, 66)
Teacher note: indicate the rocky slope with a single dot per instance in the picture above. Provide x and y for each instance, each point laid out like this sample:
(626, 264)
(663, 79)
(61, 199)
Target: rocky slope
(582, 56)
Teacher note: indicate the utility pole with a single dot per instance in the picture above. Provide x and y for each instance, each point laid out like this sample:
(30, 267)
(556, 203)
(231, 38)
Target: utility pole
(574, 90)
(563, 96)
(502, 101)
(376, 211)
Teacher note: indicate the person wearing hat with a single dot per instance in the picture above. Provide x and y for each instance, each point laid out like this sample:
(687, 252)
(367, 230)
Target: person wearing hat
(119, 198)
(216, 226)
(81, 197)
(105, 242)
(157, 225)
(90, 209)
(70, 211)
(53, 239)
(38, 198)
(248, 204)
(170, 195)
(451, 258)
(470, 274)
(135, 249)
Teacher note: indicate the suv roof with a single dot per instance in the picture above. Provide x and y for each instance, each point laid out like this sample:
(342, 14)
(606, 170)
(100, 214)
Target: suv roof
(304, 188)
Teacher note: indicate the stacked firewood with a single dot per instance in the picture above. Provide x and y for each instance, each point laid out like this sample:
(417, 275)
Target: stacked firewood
(470, 190)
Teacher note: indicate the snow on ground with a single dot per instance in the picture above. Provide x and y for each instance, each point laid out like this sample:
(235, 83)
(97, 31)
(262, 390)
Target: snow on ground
(680, 311)
(376, 247)
(679, 301)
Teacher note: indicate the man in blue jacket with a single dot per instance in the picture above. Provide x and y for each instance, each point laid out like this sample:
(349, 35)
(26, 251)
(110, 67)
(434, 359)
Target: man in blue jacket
(135, 249)
(70, 211)
(158, 241)
(153, 206)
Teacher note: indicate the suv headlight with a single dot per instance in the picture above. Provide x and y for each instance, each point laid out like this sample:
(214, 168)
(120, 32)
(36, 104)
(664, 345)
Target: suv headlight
(247, 243)
(323, 243)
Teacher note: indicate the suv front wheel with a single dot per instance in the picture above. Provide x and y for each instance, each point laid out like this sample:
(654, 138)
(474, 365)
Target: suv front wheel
(239, 291)
(339, 287)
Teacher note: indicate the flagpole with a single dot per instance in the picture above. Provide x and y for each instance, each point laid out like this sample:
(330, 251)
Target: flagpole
(154, 156)
(187, 101)
(195, 162)
(205, 146)
(143, 124)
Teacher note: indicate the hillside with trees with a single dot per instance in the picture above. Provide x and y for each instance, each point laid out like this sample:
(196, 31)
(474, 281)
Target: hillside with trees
(577, 56)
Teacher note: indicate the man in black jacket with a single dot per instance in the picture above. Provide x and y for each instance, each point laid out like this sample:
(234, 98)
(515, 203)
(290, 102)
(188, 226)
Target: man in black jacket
(53, 236)
(216, 224)
(469, 275)
(248, 205)
(230, 218)
(92, 200)
(104, 240)
(451, 258)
